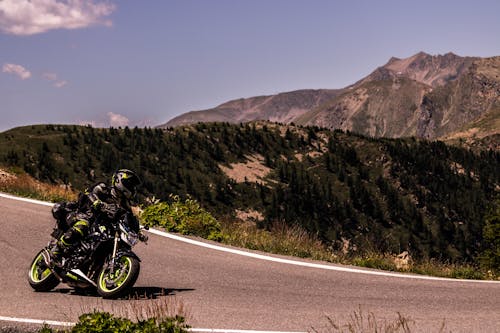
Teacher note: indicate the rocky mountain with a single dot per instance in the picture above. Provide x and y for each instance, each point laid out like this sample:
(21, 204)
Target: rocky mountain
(430, 70)
(283, 108)
(465, 107)
(423, 95)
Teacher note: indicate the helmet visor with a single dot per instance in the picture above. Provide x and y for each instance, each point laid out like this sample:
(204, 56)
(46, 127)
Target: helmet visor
(131, 184)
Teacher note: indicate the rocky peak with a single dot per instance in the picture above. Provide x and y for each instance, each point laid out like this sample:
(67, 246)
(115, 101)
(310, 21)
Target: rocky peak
(392, 60)
(424, 68)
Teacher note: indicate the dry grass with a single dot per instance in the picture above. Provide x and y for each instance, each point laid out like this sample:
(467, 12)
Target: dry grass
(160, 308)
(362, 322)
(280, 239)
(24, 185)
(296, 241)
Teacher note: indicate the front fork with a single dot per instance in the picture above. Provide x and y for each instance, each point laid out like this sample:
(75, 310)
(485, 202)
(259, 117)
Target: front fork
(115, 250)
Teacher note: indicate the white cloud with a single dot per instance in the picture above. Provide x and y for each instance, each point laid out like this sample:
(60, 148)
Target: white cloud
(52, 77)
(29, 17)
(117, 120)
(60, 84)
(17, 70)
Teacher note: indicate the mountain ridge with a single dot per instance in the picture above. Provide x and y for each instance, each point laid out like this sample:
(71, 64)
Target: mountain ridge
(282, 107)
(427, 96)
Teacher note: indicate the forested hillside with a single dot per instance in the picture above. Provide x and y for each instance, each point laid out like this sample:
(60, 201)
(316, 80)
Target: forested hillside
(372, 194)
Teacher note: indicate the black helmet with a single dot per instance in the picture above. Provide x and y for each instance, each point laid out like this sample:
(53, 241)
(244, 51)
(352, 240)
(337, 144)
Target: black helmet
(126, 182)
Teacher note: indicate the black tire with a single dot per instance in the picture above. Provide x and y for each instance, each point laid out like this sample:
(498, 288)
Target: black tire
(116, 285)
(40, 277)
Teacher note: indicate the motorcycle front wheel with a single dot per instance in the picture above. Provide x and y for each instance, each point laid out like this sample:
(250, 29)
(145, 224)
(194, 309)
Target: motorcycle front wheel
(113, 284)
(40, 277)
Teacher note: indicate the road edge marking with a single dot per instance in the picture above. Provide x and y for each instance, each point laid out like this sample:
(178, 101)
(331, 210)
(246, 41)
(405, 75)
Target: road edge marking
(279, 260)
(221, 330)
(33, 201)
(308, 264)
(36, 321)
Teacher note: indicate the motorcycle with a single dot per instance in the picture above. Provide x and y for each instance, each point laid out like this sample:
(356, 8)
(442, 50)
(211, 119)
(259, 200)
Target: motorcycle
(103, 260)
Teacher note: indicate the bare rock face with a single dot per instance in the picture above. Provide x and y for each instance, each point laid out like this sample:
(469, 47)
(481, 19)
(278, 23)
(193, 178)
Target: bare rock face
(424, 96)
(403, 261)
(431, 70)
(472, 97)
(425, 124)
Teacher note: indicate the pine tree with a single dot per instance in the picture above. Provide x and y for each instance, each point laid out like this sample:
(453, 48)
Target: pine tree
(490, 257)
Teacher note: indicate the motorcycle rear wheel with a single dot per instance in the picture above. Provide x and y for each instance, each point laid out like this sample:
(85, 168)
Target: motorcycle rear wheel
(116, 284)
(40, 277)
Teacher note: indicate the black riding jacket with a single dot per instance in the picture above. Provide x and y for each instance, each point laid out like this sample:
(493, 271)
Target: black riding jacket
(100, 200)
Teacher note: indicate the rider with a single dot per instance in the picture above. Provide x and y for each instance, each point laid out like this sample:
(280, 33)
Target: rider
(99, 199)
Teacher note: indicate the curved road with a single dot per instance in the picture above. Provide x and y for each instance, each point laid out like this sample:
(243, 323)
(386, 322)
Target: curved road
(223, 290)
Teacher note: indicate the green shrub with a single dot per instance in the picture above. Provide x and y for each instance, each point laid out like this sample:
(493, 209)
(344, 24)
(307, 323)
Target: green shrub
(102, 322)
(467, 272)
(186, 217)
(106, 322)
(375, 260)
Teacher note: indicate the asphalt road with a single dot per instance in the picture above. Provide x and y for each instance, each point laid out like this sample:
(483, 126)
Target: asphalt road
(223, 290)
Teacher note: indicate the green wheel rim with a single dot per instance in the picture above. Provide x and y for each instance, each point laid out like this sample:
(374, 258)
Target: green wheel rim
(37, 273)
(118, 278)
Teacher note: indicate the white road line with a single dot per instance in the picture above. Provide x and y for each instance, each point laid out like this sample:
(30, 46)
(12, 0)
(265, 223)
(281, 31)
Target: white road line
(33, 201)
(36, 321)
(307, 264)
(210, 330)
(281, 260)
(68, 324)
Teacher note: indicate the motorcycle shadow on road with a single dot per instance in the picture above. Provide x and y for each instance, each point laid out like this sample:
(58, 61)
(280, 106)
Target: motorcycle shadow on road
(136, 293)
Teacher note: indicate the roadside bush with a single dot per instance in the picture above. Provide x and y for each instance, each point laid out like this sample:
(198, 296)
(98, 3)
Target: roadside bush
(106, 322)
(375, 260)
(186, 217)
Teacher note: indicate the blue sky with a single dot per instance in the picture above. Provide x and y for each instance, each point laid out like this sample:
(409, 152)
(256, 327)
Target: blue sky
(130, 62)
